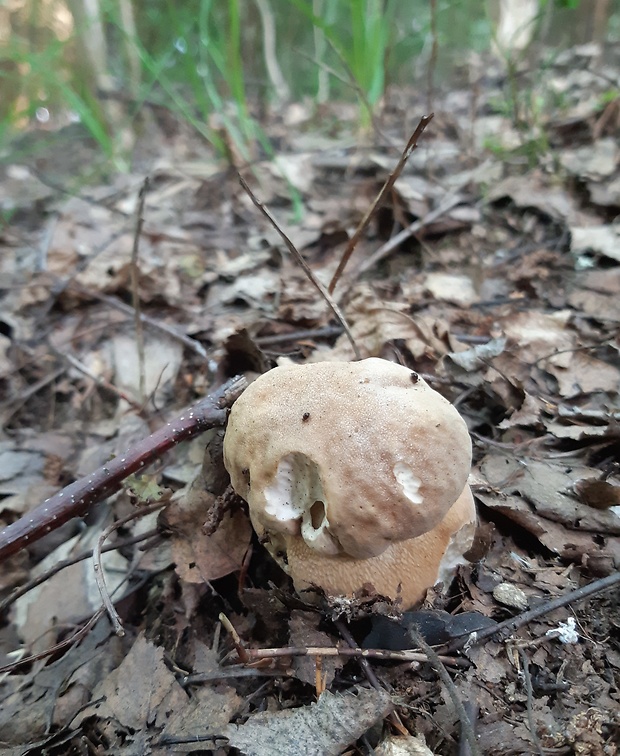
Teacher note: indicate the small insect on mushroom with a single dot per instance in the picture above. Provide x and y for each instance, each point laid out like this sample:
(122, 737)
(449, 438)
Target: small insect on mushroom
(387, 505)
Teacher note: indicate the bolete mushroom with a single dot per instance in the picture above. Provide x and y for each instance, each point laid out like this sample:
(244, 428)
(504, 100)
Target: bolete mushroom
(355, 475)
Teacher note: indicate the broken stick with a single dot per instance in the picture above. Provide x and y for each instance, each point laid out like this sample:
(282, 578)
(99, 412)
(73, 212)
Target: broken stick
(76, 499)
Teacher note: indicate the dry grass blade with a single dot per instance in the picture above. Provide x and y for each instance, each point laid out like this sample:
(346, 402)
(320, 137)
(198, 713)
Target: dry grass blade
(411, 145)
(135, 292)
(98, 567)
(306, 268)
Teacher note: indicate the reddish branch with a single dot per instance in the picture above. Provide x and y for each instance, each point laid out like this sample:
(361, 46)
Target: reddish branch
(76, 499)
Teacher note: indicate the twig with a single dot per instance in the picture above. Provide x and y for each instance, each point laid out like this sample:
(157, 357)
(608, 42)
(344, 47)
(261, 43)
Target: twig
(246, 655)
(306, 268)
(98, 379)
(364, 663)
(305, 333)
(471, 709)
(225, 673)
(77, 498)
(319, 678)
(59, 566)
(436, 663)
(58, 646)
(13, 404)
(241, 650)
(77, 635)
(512, 624)
(351, 651)
(527, 679)
(368, 671)
(410, 147)
(158, 325)
(98, 567)
(395, 242)
(135, 293)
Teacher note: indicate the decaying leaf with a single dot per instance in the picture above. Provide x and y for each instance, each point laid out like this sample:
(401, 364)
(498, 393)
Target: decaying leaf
(138, 694)
(476, 358)
(599, 494)
(410, 745)
(304, 632)
(322, 729)
(602, 239)
(199, 557)
(547, 488)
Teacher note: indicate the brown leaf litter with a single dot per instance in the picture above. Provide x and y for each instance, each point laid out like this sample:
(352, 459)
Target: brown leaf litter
(494, 277)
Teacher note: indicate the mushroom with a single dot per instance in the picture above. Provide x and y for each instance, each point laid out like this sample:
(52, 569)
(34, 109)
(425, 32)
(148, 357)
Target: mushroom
(355, 475)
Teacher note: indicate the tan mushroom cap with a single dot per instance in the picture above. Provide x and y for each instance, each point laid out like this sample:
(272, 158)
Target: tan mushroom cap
(405, 570)
(349, 457)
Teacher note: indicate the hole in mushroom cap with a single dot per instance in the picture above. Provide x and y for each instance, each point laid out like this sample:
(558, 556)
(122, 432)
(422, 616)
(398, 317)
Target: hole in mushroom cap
(317, 514)
(295, 501)
(315, 530)
(408, 482)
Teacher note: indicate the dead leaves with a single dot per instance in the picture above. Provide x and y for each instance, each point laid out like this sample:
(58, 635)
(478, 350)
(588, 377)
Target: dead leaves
(507, 297)
(321, 729)
(540, 497)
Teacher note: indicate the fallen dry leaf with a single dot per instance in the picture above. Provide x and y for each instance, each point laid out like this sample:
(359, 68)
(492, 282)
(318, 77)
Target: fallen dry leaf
(322, 729)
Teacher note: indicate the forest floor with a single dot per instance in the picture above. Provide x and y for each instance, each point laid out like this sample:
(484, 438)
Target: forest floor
(503, 292)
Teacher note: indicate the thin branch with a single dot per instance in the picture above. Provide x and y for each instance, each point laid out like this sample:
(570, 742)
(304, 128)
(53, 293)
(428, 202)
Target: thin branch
(241, 650)
(22, 590)
(158, 325)
(58, 646)
(246, 655)
(99, 380)
(510, 625)
(225, 673)
(436, 663)
(98, 567)
(527, 679)
(78, 635)
(306, 268)
(351, 651)
(410, 147)
(364, 663)
(471, 709)
(76, 499)
(305, 333)
(411, 230)
(11, 406)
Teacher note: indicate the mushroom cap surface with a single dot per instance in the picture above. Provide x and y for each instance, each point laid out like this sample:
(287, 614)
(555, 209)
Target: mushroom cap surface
(351, 457)
(405, 570)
